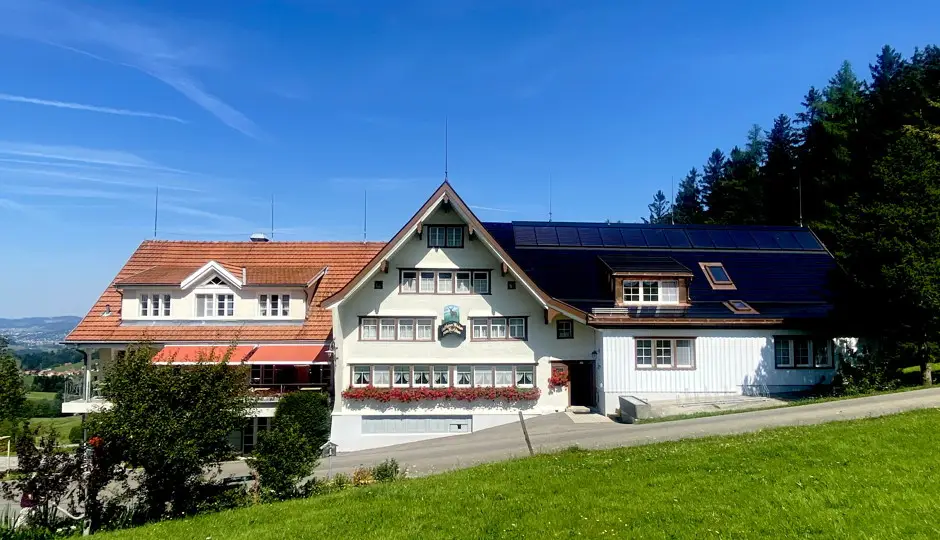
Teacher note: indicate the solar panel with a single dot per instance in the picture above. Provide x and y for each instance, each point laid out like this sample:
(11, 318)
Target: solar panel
(765, 240)
(568, 236)
(611, 237)
(546, 236)
(633, 237)
(700, 238)
(655, 238)
(524, 236)
(590, 237)
(786, 240)
(677, 238)
(807, 240)
(743, 240)
(722, 239)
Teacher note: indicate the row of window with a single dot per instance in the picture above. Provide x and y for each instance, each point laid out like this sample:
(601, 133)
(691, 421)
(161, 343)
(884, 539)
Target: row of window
(651, 292)
(665, 353)
(214, 305)
(482, 329)
(445, 236)
(498, 328)
(396, 329)
(789, 352)
(803, 352)
(318, 375)
(444, 282)
(443, 376)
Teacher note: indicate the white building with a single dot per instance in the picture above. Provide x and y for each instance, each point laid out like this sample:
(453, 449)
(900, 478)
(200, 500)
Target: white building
(452, 308)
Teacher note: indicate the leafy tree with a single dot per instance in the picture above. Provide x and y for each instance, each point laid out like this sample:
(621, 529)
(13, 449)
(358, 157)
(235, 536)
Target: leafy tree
(779, 173)
(688, 207)
(283, 458)
(660, 212)
(12, 389)
(309, 412)
(172, 423)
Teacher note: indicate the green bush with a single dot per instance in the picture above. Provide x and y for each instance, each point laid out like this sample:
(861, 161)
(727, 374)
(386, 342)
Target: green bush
(282, 459)
(864, 372)
(77, 434)
(340, 482)
(387, 471)
(308, 412)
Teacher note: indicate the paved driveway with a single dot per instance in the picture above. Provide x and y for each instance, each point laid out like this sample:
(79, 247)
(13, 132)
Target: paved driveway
(557, 431)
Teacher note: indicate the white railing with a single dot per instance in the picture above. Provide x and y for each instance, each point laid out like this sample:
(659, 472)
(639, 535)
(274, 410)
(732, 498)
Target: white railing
(610, 311)
(75, 390)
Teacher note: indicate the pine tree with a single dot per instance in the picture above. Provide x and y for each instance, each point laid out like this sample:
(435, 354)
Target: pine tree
(779, 174)
(756, 144)
(711, 175)
(660, 212)
(688, 206)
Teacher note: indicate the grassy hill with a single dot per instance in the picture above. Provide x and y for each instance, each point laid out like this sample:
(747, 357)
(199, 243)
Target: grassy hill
(874, 478)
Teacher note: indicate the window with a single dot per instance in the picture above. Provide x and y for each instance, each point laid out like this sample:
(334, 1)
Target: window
(427, 282)
(215, 305)
(665, 353)
(378, 285)
(482, 376)
(422, 376)
(511, 284)
(396, 329)
(402, 376)
(409, 281)
(262, 375)
(481, 328)
(564, 329)
(631, 291)
(441, 376)
(740, 306)
(155, 305)
(717, 276)
(362, 375)
(425, 330)
(463, 283)
(495, 328)
(517, 327)
(381, 376)
(803, 352)
(503, 375)
(406, 329)
(462, 376)
(216, 282)
(669, 292)
(369, 330)
(651, 291)
(445, 282)
(644, 353)
(481, 282)
(445, 236)
(524, 375)
(273, 305)
(387, 330)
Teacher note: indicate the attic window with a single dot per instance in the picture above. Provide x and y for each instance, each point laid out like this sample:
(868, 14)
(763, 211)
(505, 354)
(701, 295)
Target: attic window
(217, 281)
(717, 276)
(740, 306)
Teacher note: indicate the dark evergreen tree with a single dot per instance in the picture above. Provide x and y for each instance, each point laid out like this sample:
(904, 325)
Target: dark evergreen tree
(711, 175)
(779, 173)
(688, 207)
(660, 213)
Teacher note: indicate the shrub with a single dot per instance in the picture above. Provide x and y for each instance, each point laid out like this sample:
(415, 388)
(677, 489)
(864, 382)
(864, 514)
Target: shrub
(76, 434)
(864, 372)
(309, 412)
(387, 471)
(282, 459)
(362, 476)
(340, 482)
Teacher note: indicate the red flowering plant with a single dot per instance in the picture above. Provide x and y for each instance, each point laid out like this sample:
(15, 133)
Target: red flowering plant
(409, 395)
(558, 378)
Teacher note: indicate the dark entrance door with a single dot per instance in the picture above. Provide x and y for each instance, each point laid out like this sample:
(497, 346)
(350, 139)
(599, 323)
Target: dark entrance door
(581, 383)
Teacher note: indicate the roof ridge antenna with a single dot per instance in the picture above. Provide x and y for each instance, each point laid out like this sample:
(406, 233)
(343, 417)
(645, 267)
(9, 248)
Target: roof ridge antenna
(365, 214)
(672, 202)
(799, 190)
(272, 216)
(156, 206)
(445, 149)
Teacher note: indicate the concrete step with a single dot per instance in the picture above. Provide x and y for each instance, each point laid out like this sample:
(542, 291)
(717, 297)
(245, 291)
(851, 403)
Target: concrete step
(578, 409)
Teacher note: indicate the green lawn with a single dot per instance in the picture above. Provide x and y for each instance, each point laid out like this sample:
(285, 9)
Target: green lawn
(39, 396)
(873, 478)
(62, 425)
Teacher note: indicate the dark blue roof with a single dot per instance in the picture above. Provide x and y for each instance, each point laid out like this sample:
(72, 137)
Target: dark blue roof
(781, 275)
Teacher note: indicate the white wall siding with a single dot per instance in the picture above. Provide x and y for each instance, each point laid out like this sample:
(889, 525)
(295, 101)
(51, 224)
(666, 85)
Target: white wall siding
(726, 362)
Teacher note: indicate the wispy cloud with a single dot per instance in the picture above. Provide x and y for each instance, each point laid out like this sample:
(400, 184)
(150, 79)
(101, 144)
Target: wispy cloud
(90, 108)
(158, 51)
(195, 212)
(492, 209)
(116, 158)
(71, 193)
(10, 204)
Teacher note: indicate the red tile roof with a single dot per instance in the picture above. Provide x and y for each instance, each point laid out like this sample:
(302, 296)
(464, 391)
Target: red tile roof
(256, 275)
(271, 260)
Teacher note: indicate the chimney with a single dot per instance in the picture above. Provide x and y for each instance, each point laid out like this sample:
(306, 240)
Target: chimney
(259, 237)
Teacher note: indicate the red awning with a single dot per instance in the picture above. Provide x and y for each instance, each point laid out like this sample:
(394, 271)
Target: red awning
(192, 353)
(289, 354)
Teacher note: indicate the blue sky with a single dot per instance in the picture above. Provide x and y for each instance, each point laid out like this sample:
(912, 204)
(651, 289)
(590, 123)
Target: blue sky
(225, 104)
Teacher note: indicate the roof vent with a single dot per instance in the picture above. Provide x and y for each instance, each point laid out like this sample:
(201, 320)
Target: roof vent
(259, 237)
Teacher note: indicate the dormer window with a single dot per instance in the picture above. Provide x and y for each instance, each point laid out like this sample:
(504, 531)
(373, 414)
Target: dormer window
(274, 305)
(650, 291)
(445, 236)
(717, 276)
(155, 305)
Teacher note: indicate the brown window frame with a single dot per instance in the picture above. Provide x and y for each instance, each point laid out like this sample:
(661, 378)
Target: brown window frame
(489, 328)
(378, 329)
(569, 323)
(717, 285)
(810, 351)
(453, 278)
(446, 228)
(653, 366)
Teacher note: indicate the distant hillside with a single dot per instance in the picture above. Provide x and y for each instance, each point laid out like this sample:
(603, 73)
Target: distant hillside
(37, 331)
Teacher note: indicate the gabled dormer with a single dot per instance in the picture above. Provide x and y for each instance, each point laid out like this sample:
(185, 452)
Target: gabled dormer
(647, 281)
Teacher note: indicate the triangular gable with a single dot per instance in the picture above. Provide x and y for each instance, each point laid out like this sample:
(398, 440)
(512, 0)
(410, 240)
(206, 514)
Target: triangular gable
(206, 271)
(446, 194)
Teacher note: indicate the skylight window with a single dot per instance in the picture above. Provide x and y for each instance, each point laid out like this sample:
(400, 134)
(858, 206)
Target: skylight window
(717, 276)
(740, 306)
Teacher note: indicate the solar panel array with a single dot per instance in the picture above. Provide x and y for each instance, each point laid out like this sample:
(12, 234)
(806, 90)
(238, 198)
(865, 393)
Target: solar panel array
(652, 237)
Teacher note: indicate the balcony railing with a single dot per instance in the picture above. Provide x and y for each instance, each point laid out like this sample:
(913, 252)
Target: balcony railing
(273, 392)
(74, 390)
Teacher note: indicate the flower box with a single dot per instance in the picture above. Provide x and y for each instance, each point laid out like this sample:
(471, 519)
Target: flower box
(409, 395)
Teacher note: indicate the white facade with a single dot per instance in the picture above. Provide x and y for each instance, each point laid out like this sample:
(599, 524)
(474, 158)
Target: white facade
(726, 362)
(183, 303)
(369, 424)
